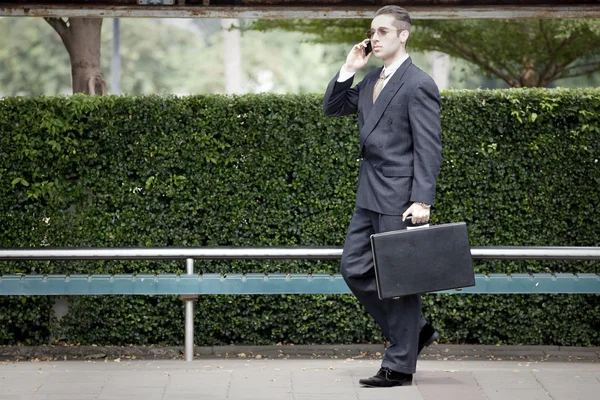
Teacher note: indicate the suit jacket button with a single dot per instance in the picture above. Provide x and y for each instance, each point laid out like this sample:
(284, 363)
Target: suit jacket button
(389, 121)
(380, 144)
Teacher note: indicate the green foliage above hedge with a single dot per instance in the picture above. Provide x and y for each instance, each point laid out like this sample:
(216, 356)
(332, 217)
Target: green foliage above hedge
(519, 166)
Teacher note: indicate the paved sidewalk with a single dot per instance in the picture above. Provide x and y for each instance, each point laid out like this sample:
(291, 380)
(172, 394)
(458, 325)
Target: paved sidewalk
(294, 379)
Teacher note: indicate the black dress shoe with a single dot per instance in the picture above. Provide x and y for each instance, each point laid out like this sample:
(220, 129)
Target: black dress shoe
(385, 377)
(427, 336)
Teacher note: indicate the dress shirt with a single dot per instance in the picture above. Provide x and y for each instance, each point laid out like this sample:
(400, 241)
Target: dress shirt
(387, 71)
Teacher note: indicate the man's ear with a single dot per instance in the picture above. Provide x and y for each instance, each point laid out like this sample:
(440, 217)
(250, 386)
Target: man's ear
(404, 35)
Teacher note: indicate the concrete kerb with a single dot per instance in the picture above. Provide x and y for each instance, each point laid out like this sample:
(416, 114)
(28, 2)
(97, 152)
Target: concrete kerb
(304, 351)
(355, 351)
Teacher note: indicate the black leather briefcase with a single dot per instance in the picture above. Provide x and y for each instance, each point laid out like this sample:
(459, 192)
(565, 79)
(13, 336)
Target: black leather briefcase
(422, 260)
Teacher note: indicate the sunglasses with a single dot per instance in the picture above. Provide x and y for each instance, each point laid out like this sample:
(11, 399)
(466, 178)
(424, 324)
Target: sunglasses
(381, 32)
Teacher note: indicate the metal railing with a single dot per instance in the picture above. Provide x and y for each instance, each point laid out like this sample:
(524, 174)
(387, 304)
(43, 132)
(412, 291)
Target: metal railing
(277, 253)
(285, 253)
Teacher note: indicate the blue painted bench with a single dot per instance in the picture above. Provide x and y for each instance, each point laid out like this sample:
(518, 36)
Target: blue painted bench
(172, 284)
(190, 285)
(194, 284)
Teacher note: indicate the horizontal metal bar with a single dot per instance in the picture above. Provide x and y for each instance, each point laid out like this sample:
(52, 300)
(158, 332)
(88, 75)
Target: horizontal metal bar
(277, 253)
(535, 253)
(172, 253)
(434, 11)
(172, 284)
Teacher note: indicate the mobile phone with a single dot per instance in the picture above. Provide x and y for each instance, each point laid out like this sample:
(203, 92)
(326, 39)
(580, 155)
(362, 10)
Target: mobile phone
(368, 49)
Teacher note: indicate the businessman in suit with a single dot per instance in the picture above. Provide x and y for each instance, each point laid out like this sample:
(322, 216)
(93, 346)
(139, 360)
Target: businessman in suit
(398, 109)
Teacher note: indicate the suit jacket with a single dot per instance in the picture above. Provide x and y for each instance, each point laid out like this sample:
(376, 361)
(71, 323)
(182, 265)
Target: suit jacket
(400, 136)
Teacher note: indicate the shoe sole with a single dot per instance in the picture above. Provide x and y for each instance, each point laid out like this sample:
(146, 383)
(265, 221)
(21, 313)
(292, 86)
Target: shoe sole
(408, 383)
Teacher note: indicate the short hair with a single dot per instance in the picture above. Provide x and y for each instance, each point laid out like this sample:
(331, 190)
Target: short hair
(402, 17)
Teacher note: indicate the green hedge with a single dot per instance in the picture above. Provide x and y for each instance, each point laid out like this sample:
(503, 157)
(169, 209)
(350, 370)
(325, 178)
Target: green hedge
(519, 166)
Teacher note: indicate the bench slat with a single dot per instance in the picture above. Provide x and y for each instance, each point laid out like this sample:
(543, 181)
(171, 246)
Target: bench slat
(173, 284)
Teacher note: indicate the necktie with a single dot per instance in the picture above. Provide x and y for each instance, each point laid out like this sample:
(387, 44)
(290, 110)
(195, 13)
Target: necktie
(379, 85)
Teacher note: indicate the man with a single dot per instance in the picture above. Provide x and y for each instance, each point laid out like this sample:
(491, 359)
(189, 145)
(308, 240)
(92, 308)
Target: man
(400, 142)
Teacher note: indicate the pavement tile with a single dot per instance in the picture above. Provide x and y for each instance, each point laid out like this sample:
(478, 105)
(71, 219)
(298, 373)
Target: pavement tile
(193, 396)
(17, 392)
(569, 384)
(71, 377)
(127, 396)
(517, 394)
(328, 381)
(64, 396)
(17, 389)
(213, 393)
(298, 379)
(330, 396)
(518, 384)
(515, 379)
(74, 388)
(448, 385)
(403, 393)
(156, 394)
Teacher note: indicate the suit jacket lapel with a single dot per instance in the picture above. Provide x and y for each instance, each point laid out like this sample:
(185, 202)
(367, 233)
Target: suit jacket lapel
(387, 93)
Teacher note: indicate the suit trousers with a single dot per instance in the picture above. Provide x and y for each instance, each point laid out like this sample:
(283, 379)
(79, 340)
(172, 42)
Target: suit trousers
(400, 319)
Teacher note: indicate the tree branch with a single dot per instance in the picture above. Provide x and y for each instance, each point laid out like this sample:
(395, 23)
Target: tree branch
(551, 51)
(590, 64)
(60, 26)
(457, 44)
(483, 64)
(562, 71)
(546, 38)
(581, 73)
(566, 42)
(560, 68)
(572, 75)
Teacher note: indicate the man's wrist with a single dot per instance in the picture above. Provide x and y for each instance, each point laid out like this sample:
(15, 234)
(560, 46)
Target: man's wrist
(344, 74)
(424, 205)
(348, 70)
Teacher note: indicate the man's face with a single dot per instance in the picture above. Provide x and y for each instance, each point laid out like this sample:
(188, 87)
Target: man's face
(385, 38)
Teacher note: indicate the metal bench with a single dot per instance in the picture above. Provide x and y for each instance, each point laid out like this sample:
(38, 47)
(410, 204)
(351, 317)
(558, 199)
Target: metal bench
(190, 285)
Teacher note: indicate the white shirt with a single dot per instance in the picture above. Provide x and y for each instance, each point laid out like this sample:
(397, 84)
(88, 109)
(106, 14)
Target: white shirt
(388, 72)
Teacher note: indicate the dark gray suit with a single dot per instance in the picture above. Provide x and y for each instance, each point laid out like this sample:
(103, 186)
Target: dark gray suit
(400, 142)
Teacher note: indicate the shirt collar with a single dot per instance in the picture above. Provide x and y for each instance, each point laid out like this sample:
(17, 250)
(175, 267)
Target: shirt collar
(392, 68)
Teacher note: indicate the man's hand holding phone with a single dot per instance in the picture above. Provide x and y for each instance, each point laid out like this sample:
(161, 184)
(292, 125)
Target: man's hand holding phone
(358, 56)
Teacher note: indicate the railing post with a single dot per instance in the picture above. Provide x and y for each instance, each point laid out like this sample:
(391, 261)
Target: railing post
(189, 315)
